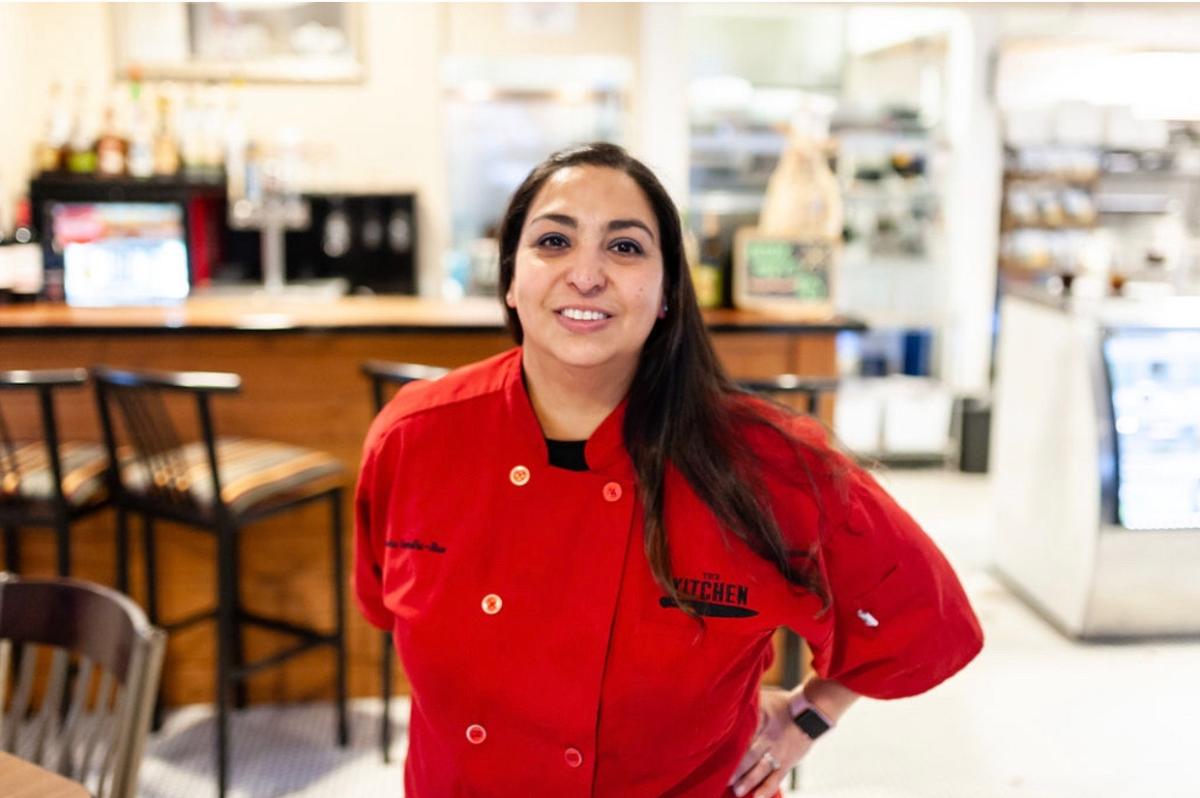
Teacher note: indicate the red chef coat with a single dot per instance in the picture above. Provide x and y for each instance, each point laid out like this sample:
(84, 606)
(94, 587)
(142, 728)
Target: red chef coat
(541, 656)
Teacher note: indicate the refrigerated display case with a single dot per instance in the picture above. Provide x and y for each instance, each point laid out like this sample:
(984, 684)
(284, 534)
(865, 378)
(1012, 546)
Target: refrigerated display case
(1096, 462)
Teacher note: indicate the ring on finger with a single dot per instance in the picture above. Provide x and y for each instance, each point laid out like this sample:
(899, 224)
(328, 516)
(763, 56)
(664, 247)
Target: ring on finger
(771, 761)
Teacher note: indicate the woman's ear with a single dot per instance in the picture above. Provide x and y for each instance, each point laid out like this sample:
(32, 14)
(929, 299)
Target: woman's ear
(509, 299)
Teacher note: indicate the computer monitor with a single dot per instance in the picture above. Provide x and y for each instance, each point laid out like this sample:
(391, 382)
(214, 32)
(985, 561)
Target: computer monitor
(121, 253)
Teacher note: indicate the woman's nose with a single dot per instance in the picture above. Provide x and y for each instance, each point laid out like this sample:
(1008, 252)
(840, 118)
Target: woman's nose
(586, 274)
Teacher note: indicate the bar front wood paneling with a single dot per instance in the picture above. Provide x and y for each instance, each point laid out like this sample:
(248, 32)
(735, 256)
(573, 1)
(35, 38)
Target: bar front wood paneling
(301, 384)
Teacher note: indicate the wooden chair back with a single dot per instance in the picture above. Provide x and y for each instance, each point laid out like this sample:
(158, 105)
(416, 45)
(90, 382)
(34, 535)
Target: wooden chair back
(84, 665)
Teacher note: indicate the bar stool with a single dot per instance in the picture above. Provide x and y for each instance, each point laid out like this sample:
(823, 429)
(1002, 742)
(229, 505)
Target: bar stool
(218, 485)
(382, 374)
(810, 389)
(45, 483)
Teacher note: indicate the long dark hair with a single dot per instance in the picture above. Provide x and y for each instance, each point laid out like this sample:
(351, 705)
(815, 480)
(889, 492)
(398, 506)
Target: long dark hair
(682, 407)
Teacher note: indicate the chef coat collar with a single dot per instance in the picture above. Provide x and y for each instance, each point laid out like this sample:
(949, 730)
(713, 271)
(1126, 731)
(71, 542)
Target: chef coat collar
(605, 450)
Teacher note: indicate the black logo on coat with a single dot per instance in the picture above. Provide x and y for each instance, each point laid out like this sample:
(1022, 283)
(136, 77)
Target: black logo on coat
(712, 597)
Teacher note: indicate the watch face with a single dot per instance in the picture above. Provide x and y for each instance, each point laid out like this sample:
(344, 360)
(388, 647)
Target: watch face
(811, 723)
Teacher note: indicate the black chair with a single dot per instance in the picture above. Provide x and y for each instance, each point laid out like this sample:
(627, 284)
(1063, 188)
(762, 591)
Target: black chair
(218, 485)
(89, 720)
(44, 482)
(383, 374)
(810, 389)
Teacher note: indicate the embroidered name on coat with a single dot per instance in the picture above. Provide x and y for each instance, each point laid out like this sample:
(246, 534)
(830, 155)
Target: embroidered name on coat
(415, 545)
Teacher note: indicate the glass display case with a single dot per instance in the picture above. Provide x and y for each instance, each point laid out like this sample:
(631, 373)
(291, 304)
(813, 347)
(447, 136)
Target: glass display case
(1096, 462)
(1154, 380)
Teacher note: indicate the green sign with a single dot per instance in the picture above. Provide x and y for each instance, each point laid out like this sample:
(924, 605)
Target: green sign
(788, 269)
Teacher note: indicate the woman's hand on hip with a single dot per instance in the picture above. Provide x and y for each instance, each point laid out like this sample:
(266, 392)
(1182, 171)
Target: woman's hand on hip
(777, 746)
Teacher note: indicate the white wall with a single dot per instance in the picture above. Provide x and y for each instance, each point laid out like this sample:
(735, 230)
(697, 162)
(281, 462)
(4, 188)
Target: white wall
(38, 44)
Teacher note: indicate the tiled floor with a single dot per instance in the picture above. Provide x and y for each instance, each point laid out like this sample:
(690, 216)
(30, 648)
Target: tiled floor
(1036, 716)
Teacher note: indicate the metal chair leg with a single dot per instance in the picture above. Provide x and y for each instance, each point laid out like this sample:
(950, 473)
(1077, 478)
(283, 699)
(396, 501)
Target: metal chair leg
(62, 534)
(237, 644)
(150, 579)
(12, 549)
(150, 562)
(792, 666)
(226, 629)
(339, 603)
(122, 550)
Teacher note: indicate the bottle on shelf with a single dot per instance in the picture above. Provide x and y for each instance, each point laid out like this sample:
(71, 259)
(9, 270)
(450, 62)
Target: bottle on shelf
(165, 146)
(192, 147)
(51, 150)
(213, 122)
(236, 144)
(111, 146)
(140, 159)
(23, 231)
(21, 271)
(81, 150)
(708, 269)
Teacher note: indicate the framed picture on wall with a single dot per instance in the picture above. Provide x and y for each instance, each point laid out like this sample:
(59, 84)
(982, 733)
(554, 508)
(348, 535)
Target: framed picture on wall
(252, 41)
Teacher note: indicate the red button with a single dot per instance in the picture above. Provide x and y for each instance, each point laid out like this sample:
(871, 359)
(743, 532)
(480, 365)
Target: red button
(492, 603)
(612, 491)
(519, 475)
(573, 758)
(476, 734)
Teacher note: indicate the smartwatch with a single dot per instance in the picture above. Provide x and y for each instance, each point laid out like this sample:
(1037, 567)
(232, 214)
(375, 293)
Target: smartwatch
(811, 720)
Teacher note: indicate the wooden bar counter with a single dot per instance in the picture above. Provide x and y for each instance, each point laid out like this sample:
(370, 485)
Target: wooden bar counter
(299, 361)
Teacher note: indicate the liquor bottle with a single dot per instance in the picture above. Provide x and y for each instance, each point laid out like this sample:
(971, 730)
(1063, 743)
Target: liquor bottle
(191, 133)
(81, 150)
(111, 147)
(235, 144)
(23, 231)
(51, 150)
(165, 146)
(141, 129)
(212, 130)
(707, 274)
(21, 271)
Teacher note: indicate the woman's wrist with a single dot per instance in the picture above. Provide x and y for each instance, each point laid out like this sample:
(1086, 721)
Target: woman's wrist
(830, 698)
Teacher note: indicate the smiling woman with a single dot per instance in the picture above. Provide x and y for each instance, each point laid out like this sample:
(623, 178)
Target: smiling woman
(624, 530)
(587, 287)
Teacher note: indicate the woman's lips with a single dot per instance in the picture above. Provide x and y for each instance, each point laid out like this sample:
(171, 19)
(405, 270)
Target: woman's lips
(582, 320)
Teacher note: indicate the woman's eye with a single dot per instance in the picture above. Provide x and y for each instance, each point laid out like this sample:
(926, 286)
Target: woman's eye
(552, 240)
(627, 247)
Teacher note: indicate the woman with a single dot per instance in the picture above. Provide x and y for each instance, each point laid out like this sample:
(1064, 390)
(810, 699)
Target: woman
(584, 545)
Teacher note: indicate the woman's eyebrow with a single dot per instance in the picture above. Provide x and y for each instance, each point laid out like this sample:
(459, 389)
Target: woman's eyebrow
(614, 225)
(564, 220)
(622, 224)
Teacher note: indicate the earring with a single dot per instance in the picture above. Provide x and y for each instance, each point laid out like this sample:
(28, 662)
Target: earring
(662, 314)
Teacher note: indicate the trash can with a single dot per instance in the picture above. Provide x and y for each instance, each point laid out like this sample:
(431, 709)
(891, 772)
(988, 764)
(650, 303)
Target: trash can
(974, 431)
